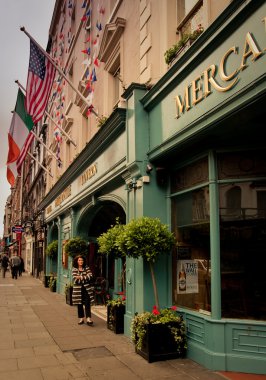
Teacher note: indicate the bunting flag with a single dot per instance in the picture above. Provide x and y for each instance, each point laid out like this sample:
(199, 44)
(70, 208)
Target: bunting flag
(40, 79)
(19, 138)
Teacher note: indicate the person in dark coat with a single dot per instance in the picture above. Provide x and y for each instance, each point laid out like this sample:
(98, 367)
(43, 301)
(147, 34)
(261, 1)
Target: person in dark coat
(4, 263)
(21, 268)
(83, 294)
(15, 263)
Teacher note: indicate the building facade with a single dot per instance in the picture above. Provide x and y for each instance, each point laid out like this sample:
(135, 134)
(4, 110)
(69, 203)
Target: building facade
(182, 141)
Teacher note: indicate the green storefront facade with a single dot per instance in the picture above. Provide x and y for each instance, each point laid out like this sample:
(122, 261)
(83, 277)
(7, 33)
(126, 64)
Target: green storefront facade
(201, 130)
(191, 151)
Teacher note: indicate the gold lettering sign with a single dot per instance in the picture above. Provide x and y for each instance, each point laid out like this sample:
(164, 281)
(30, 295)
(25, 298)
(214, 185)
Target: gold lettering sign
(49, 209)
(202, 86)
(89, 173)
(64, 195)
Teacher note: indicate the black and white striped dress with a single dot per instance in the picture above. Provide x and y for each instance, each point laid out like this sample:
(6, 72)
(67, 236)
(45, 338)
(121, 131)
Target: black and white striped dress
(77, 285)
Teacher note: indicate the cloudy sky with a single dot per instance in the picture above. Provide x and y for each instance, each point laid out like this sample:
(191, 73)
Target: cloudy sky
(36, 16)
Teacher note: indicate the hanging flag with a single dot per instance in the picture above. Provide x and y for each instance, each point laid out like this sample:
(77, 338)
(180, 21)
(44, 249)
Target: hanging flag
(19, 138)
(40, 79)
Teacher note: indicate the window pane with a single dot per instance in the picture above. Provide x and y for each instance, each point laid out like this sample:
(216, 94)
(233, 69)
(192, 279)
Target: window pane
(243, 243)
(191, 262)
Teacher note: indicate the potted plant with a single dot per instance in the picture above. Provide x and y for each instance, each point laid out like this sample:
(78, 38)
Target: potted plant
(149, 238)
(108, 241)
(159, 335)
(187, 38)
(115, 314)
(76, 246)
(68, 293)
(52, 283)
(52, 249)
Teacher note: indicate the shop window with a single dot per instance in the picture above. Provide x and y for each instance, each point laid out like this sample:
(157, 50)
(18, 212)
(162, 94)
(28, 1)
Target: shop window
(191, 261)
(242, 250)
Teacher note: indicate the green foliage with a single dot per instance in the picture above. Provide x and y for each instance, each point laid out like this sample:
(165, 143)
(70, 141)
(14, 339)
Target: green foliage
(145, 237)
(164, 316)
(68, 287)
(52, 282)
(76, 246)
(116, 302)
(101, 121)
(108, 244)
(170, 54)
(52, 249)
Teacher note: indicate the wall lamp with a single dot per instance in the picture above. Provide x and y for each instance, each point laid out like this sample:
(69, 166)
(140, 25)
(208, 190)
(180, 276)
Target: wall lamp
(149, 168)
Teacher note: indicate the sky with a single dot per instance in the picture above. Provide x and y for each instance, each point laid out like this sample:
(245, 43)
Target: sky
(35, 16)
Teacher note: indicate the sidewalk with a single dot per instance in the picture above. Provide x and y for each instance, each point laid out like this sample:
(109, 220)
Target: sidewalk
(41, 340)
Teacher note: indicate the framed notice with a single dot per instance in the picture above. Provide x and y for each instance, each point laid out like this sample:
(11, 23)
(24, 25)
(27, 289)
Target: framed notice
(187, 277)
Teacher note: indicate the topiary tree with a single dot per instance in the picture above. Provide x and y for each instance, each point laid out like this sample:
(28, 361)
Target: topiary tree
(147, 238)
(52, 249)
(107, 242)
(76, 246)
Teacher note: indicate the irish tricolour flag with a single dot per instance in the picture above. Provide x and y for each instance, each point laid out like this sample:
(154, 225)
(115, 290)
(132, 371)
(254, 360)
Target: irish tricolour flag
(19, 138)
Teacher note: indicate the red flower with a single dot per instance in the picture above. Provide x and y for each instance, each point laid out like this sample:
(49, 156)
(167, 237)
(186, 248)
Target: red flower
(174, 307)
(155, 311)
(123, 298)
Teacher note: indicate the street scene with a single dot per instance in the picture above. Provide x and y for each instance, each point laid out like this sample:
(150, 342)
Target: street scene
(133, 189)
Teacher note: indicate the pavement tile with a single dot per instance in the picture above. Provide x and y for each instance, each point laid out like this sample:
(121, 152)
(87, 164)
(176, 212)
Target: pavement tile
(32, 374)
(15, 353)
(67, 372)
(37, 362)
(33, 342)
(45, 350)
(7, 364)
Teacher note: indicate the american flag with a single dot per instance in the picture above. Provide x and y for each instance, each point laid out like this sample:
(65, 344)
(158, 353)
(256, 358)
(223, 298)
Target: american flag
(40, 79)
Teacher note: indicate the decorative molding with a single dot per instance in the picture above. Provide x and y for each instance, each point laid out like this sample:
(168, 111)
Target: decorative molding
(111, 37)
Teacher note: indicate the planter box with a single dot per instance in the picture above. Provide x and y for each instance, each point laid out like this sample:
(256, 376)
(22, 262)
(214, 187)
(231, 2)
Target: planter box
(159, 343)
(69, 296)
(46, 280)
(115, 318)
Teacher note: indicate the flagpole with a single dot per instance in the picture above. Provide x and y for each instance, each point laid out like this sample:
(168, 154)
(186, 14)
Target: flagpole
(50, 117)
(46, 147)
(61, 72)
(38, 162)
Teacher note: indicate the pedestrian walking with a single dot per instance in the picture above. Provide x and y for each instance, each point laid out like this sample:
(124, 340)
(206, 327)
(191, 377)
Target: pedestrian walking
(4, 264)
(15, 263)
(21, 267)
(83, 294)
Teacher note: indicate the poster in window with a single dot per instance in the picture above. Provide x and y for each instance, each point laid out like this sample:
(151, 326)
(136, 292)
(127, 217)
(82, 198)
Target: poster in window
(187, 277)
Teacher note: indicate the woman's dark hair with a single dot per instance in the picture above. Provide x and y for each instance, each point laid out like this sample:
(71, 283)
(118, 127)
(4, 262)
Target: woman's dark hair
(75, 260)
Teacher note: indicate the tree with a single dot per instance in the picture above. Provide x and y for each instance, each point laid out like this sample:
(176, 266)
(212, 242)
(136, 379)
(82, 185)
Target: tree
(108, 242)
(147, 238)
(76, 246)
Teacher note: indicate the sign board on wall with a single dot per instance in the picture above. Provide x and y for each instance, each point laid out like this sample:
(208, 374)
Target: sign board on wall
(187, 277)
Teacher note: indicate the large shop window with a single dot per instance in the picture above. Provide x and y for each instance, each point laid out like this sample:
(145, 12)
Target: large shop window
(191, 223)
(243, 234)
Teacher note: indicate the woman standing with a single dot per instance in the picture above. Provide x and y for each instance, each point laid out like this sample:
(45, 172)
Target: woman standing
(83, 294)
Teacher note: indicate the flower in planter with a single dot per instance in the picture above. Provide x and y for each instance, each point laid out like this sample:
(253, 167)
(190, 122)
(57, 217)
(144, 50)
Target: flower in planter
(117, 301)
(52, 283)
(171, 53)
(168, 317)
(68, 287)
(115, 314)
